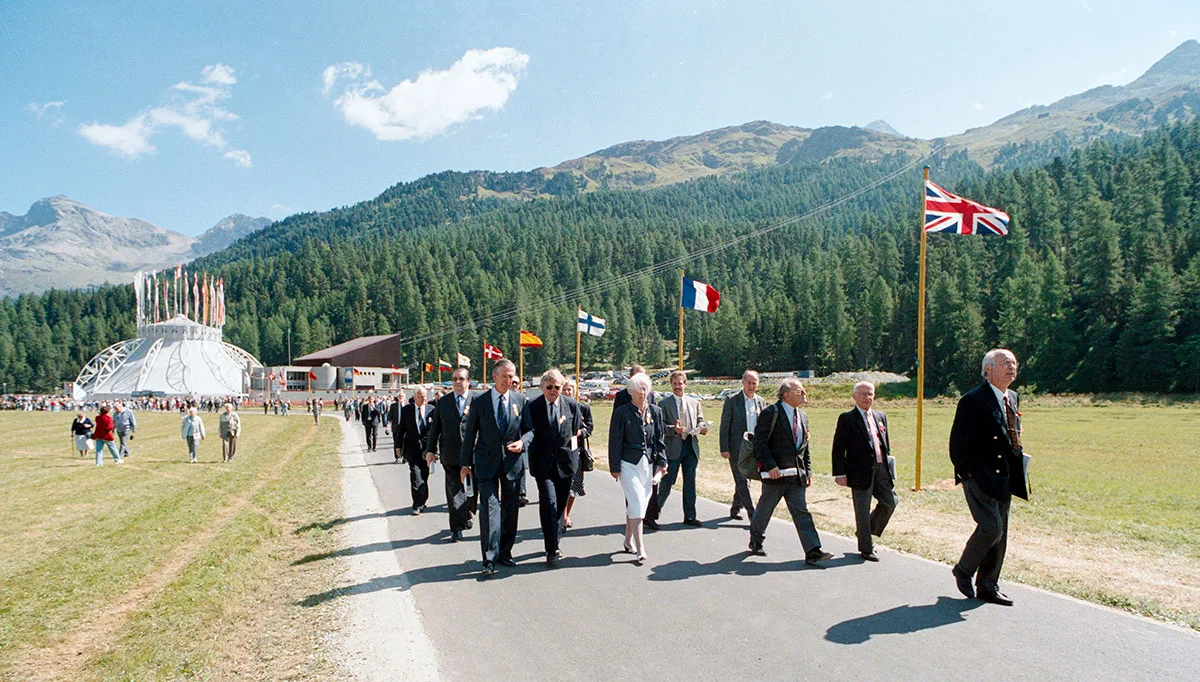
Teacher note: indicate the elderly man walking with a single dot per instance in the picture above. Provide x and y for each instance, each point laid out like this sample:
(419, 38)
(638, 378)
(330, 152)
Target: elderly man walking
(229, 427)
(739, 416)
(861, 450)
(125, 424)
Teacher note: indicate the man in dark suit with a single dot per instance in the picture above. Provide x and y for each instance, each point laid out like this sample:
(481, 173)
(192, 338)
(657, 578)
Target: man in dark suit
(684, 418)
(445, 443)
(391, 419)
(985, 448)
(556, 424)
(781, 448)
(860, 461)
(491, 452)
(416, 420)
(369, 417)
(739, 416)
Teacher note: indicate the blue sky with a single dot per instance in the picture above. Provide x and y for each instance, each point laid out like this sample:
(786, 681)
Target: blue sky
(182, 113)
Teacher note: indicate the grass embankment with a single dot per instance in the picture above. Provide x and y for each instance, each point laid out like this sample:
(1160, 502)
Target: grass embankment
(161, 569)
(1112, 519)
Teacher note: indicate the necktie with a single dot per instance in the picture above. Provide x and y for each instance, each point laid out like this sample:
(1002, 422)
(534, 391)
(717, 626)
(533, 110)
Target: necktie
(1010, 422)
(502, 415)
(459, 401)
(421, 420)
(873, 429)
(796, 426)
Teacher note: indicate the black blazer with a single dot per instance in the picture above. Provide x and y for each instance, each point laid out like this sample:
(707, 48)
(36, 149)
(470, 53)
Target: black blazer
(483, 445)
(393, 414)
(445, 436)
(630, 437)
(550, 453)
(589, 426)
(733, 422)
(980, 448)
(414, 431)
(775, 447)
(369, 414)
(853, 454)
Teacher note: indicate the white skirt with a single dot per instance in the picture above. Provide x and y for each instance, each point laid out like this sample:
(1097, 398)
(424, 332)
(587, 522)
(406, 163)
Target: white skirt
(636, 482)
(81, 442)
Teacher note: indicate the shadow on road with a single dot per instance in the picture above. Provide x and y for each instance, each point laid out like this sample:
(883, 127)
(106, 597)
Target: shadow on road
(736, 564)
(902, 620)
(326, 525)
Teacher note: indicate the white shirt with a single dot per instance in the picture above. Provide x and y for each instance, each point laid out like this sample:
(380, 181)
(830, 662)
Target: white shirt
(789, 413)
(1000, 396)
(751, 412)
(496, 403)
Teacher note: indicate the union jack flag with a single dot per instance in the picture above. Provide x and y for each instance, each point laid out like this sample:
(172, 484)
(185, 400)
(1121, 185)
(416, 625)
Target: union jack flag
(946, 212)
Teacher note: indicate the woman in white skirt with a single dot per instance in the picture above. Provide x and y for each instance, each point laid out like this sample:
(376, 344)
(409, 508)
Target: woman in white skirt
(636, 454)
(81, 429)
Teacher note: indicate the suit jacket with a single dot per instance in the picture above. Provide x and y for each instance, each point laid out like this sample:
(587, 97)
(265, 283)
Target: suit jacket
(483, 445)
(775, 447)
(445, 436)
(589, 426)
(369, 415)
(733, 422)
(393, 415)
(550, 453)
(671, 415)
(980, 448)
(415, 425)
(630, 437)
(853, 454)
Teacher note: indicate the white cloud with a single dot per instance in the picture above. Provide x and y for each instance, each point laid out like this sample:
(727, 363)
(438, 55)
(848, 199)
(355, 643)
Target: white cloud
(239, 156)
(979, 106)
(194, 110)
(482, 80)
(130, 139)
(827, 96)
(46, 108)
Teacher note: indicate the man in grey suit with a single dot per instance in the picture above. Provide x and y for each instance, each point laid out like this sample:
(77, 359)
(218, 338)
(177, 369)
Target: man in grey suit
(739, 416)
(781, 447)
(492, 451)
(684, 419)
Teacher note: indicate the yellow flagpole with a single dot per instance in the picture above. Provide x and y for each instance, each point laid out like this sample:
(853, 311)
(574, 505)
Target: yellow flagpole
(483, 365)
(439, 370)
(681, 320)
(521, 364)
(921, 338)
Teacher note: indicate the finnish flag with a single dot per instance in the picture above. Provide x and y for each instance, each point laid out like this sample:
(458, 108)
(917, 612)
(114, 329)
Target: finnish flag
(699, 296)
(590, 324)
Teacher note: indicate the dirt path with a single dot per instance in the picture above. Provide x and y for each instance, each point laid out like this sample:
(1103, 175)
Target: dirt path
(65, 659)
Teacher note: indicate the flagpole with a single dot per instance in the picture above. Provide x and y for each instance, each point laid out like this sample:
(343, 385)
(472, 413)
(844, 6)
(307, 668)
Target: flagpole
(681, 276)
(521, 363)
(483, 365)
(423, 372)
(578, 346)
(921, 337)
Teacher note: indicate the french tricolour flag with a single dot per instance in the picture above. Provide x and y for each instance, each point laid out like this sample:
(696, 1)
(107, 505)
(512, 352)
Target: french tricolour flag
(700, 296)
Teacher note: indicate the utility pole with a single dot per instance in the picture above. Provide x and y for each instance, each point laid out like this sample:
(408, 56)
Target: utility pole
(289, 345)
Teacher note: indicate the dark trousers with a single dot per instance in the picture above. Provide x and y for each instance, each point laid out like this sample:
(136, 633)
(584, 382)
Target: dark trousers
(867, 522)
(741, 489)
(498, 509)
(552, 499)
(457, 503)
(792, 491)
(688, 463)
(983, 557)
(418, 478)
(123, 437)
(371, 433)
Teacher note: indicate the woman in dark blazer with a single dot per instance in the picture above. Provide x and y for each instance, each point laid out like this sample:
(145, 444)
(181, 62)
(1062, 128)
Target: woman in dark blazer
(636, 456)
(585, 434)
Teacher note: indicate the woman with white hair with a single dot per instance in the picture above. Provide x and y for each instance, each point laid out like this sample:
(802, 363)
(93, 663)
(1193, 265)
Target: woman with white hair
(636, 451)
(81, 428)
(192, 432)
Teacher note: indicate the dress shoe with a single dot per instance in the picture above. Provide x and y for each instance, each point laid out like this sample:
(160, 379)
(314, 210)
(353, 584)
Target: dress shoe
(455, 535)
(489, 569)
(817, 555)
(870, 556)
(470, 524)
(757, 550)
(695, 523)
(522, 501)
(964, 583)
(417, 511)
(628, 549)
(508, 561)
(651, 524)
(994, 597)
(735, 515)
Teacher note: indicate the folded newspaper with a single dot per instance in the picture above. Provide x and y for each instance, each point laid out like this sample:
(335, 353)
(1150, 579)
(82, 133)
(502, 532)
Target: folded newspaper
(782, 472)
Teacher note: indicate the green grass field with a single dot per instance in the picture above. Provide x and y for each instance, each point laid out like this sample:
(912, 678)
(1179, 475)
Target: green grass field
(1112, 519)
(161, 569)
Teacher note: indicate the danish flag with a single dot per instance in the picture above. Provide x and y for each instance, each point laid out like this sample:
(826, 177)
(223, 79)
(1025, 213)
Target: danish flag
(946, 212)
(491, 352)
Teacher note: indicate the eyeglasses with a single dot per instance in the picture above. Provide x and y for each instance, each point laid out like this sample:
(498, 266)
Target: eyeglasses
(552, 387)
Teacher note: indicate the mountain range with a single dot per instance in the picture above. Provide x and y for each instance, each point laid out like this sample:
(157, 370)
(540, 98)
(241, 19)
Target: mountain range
(64, 244)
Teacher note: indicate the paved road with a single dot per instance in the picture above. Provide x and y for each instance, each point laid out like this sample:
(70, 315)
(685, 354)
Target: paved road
(703, 609)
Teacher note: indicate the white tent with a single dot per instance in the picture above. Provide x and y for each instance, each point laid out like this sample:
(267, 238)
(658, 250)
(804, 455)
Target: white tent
(177, 357)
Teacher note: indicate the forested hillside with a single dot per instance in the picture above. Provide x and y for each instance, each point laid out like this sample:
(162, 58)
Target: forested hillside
(1097, 288)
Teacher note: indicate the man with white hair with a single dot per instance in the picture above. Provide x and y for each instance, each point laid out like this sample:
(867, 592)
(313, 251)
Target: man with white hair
(861, 450)
(416, 421)
(985, 448)
(125, 423)
(739, 416)
(556, 424)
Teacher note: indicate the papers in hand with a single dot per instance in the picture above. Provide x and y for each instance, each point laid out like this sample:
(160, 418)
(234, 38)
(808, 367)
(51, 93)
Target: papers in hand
(782, 473)
(695, 430)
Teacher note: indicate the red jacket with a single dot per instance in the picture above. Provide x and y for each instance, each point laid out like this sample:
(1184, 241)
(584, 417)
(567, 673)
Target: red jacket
(104, 428)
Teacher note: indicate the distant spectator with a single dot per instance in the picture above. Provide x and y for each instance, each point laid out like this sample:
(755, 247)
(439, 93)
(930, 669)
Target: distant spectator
(103, 436)
(192, 432)
(125, 424)
(229, 428)
(81, 428)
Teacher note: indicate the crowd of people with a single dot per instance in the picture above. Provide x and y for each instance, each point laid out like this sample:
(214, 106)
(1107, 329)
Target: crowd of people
(115, 424)
(488, 441)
